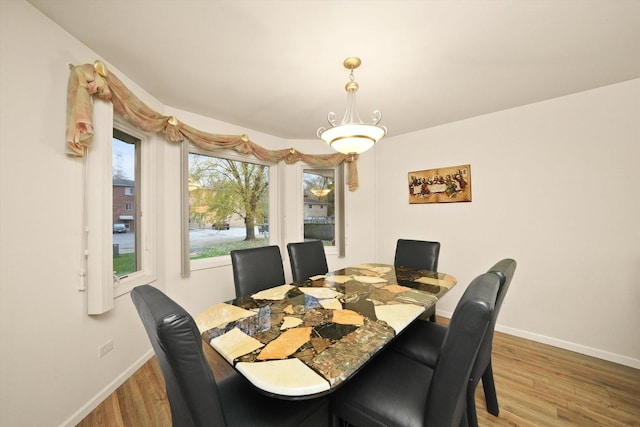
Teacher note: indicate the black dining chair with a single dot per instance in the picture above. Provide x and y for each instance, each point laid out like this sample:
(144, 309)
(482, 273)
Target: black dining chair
(397, 390)
(195, 398)
(422, 341)
(421, 255)
(256, 269)
(307, 259)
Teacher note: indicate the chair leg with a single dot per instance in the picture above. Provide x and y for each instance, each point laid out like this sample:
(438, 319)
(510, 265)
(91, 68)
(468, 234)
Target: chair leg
(464, 422)
(490, 390)
(432, 318)
(471, 415)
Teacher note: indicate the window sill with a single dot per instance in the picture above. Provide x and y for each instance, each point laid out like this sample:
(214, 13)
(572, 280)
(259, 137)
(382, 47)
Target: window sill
(124, 286)
(206, 263)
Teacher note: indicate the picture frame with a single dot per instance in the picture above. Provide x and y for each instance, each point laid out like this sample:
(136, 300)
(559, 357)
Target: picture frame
(443, 185)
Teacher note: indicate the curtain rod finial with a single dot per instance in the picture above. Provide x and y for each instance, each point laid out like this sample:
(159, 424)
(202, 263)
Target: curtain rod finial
(100, 68)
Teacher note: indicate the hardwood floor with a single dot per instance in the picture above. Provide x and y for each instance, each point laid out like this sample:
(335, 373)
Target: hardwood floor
(538, 385)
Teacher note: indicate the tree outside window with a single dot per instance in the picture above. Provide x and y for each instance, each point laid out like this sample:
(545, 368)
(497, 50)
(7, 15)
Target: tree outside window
(228, 205)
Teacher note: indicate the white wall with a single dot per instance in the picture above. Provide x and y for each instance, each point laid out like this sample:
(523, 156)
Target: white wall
(49, 366)
(50, 373)
(555, 185)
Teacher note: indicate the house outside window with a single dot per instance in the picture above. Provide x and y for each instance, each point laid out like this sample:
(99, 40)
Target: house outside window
(318, 187)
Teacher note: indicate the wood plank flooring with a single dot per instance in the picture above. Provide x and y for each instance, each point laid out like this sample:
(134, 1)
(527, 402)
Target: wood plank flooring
(537, 385)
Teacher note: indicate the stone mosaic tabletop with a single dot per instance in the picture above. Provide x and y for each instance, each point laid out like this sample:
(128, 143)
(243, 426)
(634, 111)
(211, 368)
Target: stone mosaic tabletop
(303, 339)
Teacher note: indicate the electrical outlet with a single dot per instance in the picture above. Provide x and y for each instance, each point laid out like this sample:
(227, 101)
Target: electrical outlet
(105, 348)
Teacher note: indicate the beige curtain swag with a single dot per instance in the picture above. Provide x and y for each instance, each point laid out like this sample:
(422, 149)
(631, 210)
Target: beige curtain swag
(90, 80)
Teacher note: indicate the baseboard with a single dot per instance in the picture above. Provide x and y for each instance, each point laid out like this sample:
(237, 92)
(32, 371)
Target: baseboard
(86, 409)
(567, 345)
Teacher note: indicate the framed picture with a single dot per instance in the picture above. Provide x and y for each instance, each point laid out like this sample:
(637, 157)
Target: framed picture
(443, 185)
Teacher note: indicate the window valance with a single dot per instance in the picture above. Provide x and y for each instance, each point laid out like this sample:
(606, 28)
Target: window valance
(94, 79)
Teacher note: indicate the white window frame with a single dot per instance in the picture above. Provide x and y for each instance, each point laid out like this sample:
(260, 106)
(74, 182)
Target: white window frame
(221, 261)
(102, 286)
(339, 187)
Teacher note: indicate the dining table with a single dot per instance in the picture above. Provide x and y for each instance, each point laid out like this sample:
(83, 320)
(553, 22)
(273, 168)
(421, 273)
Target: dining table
(302, 340)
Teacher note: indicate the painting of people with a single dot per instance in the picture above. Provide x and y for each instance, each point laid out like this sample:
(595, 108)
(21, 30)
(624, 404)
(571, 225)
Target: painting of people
(443, 185)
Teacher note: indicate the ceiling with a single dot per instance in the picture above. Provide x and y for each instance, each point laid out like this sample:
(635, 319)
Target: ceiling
(276, 66)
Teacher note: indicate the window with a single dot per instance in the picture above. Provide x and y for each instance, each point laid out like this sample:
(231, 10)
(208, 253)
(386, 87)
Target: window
(319, 198)
(119, 243)
(229, 205)
(125, 169)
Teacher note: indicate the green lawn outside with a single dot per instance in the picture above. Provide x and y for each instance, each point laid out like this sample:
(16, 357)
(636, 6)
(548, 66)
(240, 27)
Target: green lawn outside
(221, 249)
(124, 264)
